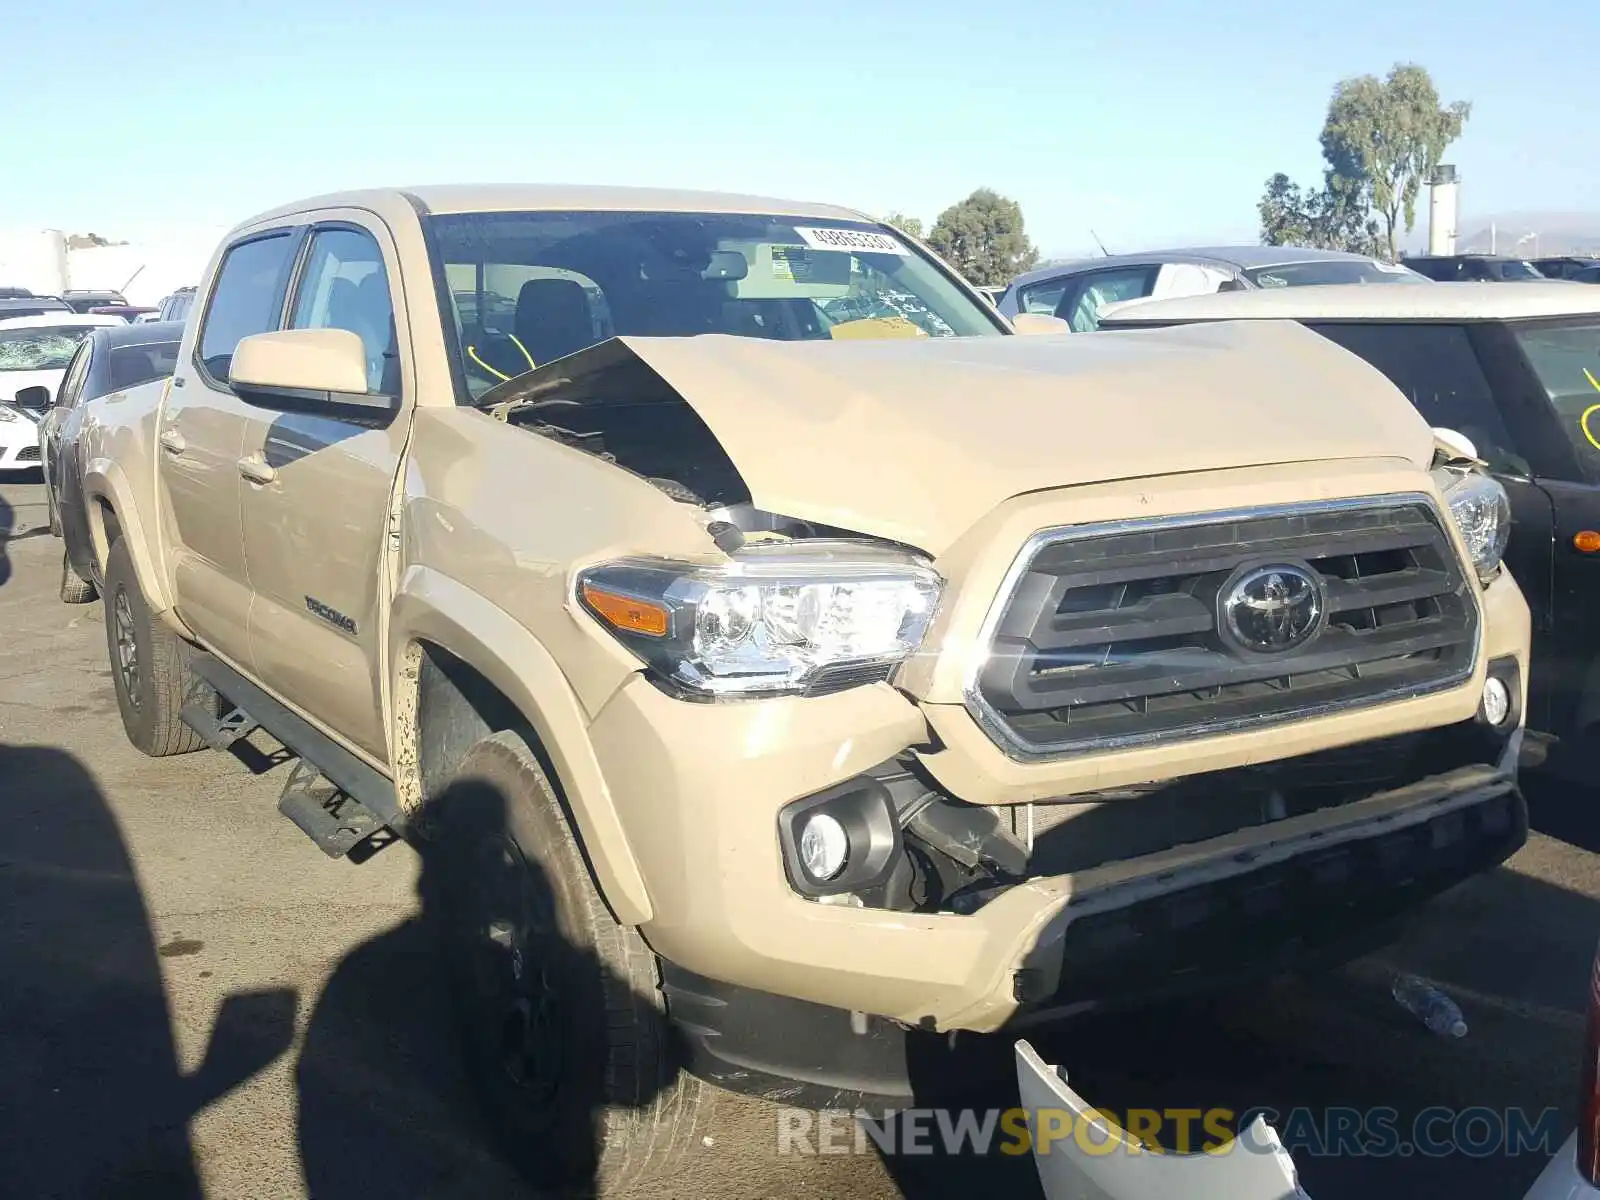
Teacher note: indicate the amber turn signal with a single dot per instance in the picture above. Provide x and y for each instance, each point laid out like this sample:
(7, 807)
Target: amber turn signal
(1586, 541)
(627, 613)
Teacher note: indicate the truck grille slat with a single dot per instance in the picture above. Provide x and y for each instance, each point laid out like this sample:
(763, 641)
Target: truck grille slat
(1114, 635)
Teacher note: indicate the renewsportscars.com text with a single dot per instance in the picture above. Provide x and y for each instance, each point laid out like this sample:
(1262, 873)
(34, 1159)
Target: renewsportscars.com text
(1333, 1132)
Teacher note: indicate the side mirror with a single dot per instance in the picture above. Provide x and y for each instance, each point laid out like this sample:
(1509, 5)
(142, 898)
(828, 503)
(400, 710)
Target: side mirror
(1458, 445)
(35, 399)
(1039, 324)
(293, 368)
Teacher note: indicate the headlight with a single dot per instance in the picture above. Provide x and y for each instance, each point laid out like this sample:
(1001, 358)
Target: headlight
(8, 414)
(1482, 513)
(795, 617)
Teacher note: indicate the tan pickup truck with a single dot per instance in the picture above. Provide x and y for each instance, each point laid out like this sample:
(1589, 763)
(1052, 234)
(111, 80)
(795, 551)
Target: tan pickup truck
(777, 662)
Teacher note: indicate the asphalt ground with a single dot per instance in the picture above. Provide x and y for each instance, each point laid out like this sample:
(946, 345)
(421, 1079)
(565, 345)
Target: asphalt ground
(195, 1002)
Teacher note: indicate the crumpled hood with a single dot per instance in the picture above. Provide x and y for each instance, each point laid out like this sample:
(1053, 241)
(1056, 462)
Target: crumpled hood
(916, 440)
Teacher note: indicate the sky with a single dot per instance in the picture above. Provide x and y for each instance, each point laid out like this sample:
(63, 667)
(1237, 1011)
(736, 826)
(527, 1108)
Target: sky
(1149, 123)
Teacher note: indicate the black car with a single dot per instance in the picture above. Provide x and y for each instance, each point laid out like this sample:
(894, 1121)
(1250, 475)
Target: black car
(1482, 268)
(81, 300)
(110, 359)
(1517, 371)
(1567, 266)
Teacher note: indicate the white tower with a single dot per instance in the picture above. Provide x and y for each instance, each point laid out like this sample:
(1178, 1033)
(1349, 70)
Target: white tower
(1443, 201)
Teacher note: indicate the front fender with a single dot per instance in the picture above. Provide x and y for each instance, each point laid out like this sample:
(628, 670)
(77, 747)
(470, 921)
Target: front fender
(432, 607)
(105, 480)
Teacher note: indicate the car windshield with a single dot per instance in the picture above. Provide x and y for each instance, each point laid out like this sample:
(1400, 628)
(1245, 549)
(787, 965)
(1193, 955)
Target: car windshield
(529, 287)
(39, 347)
(1566, 358)
(1331, 270)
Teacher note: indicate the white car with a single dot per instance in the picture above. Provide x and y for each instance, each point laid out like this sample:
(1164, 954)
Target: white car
(34, 352)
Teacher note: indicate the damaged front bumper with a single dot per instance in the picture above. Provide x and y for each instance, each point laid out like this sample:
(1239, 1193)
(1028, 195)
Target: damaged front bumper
(1081, 1155)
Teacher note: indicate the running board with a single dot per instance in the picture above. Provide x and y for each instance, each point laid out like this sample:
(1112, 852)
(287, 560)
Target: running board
(330, 793)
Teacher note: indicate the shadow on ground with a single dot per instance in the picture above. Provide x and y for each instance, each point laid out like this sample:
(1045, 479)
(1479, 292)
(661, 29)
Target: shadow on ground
(95, 1102)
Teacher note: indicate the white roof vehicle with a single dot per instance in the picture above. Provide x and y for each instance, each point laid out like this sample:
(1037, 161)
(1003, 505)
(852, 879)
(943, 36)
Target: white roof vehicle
(34, 352)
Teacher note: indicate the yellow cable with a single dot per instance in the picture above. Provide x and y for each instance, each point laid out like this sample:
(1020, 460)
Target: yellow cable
(1583, 421)
(524, 349)
(472, 353)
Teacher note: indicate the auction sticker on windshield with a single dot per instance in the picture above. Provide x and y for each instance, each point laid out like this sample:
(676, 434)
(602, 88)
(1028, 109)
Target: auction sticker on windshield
(862, 241)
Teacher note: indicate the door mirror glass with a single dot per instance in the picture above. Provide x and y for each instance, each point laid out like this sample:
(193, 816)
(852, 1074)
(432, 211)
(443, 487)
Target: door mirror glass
(304, 369)
(1036, 324)
(35, 399)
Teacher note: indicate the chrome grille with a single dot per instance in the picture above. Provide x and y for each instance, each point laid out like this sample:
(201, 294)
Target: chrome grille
(1113, 635)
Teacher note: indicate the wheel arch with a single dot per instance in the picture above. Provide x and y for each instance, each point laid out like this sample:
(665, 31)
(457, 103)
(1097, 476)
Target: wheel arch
(111, 512)
(464, 668)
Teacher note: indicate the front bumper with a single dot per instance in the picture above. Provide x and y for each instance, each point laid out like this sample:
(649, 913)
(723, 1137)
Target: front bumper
(19, 446)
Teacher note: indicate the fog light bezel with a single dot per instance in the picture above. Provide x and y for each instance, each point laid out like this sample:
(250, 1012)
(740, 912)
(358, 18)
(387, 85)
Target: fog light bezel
(873, 843)
(1508, 672)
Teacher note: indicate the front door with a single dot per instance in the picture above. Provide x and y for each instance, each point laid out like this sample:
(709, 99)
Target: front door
(200, 441)
(316, 501)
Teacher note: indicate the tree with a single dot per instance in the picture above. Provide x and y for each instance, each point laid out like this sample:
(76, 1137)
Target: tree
(910, 226)
(1324, 218)
(983, 237)
(1383, 137)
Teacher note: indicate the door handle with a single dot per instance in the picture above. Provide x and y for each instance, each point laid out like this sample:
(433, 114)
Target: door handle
(172, 440)
(256, 470)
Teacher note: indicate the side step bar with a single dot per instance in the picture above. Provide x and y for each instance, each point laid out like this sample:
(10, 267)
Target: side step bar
(334, 797)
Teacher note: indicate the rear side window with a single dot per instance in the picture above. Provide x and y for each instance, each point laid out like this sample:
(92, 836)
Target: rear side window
(1103, 288)
(129, 366)
(1438, 370)
(247, 298)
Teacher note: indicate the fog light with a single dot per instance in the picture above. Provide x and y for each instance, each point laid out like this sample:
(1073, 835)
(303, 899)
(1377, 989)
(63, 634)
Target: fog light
(1496, 701)
(823, 846)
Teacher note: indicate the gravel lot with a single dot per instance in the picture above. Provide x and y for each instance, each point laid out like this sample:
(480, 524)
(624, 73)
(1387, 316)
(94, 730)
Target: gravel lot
(193, 998)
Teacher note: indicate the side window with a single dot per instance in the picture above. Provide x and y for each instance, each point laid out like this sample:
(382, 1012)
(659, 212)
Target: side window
(1438, 370)
(344, 286)
(1082, 310)
(129, 366)
(247, 298)
(77, 371)
(1043, 297)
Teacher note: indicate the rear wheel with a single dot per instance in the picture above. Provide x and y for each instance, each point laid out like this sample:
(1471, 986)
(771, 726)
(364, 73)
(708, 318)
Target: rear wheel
(560, 1010)
(149, 664)
(73, 589)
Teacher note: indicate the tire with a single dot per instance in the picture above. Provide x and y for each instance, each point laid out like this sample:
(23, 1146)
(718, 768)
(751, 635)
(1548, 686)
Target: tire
(559, 1008)
(73, 589)
(149, 664)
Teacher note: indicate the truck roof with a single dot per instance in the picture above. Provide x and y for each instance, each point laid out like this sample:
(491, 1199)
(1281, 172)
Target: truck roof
(1392, 302)
(520, 197)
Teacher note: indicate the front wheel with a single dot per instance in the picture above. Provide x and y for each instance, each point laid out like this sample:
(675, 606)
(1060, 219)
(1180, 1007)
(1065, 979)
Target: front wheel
(560, 1009)
(149, 664)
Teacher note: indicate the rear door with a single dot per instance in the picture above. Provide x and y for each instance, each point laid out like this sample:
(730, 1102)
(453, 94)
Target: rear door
(201, 440)
(316, 496)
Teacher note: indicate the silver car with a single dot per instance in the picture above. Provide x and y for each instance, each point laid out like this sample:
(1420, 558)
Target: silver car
(1077, 291)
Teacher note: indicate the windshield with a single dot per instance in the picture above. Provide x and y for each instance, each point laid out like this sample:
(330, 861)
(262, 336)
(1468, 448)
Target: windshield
(1332, 270)
(526, 288)
(39, 347)
(1566, 358)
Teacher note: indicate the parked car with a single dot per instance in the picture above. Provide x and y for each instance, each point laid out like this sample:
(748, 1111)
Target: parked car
(82, 300)
(108, 362)
(1474, 268)
(1076, 291)
(175, 307)
(1566, 266)
(128, 312)
(750, 695)
(34, 352)
(1517, 370)
(32, 306)
(14, 293)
